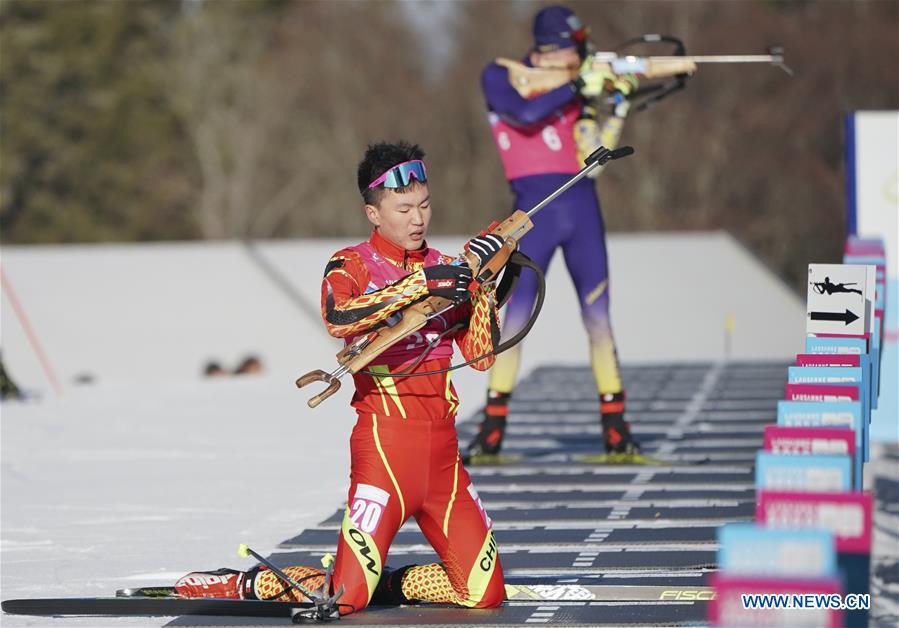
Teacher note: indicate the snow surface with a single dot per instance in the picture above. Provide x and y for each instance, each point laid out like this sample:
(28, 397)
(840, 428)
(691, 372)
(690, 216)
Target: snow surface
(119, 486)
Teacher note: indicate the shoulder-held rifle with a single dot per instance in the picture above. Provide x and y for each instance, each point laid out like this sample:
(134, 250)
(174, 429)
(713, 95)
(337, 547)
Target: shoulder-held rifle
(529, 81)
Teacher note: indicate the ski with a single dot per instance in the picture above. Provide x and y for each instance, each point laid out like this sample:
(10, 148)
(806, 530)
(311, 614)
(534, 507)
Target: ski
(162, 591)
(492, 459)
(161, 601)
(151, 606)
(619, 458)
(607, 593)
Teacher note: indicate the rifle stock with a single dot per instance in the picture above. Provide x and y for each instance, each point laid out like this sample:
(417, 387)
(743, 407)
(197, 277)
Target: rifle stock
(377, 342)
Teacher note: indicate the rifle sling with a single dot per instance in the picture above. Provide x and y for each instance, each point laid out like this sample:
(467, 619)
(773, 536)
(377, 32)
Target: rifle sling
(514, 266)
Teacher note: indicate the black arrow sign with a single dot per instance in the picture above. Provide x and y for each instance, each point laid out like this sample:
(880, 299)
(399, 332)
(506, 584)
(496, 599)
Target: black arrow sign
(846, 317)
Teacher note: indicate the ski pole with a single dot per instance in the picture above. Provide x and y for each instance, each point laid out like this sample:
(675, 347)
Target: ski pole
(244, 551)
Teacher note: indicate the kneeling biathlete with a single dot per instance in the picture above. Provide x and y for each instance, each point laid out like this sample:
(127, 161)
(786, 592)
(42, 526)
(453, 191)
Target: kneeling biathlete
(404, 450)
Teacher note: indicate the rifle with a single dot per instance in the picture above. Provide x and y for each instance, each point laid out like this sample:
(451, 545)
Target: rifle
(357, 355)
(528, 81)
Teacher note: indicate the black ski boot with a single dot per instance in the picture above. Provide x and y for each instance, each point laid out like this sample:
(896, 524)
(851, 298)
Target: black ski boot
(616, 433)
(389, 591)
(489, 439)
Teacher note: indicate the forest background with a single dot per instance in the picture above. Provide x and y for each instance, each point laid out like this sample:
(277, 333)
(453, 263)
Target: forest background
(132, 120)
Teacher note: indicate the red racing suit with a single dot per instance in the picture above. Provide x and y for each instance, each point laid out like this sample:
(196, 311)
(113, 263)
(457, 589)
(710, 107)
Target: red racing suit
(404, 450)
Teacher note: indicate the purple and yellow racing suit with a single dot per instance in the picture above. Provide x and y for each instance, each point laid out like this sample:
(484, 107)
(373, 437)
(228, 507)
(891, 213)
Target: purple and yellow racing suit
(536, 144)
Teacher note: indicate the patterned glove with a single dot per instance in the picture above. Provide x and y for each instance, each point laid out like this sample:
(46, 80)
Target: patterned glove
(625, 83)
(590, 81)
(448, 281)
(485, 247)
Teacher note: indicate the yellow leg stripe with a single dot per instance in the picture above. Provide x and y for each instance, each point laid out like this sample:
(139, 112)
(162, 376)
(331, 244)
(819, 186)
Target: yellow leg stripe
(596, 292)
(374, 419)
(449, 506)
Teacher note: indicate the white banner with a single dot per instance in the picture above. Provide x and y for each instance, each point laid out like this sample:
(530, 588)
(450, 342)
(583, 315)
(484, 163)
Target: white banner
(875, 146)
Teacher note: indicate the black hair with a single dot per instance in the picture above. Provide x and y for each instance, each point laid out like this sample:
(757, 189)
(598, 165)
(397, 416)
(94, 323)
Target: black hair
(378, 159)
(212, 368)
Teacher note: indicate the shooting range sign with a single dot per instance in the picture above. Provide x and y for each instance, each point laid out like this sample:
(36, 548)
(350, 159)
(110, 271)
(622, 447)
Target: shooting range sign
(837, 299)
(748, 549)
(846, 515)
(782, 472)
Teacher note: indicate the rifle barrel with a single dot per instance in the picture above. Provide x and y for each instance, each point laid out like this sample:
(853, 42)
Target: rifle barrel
(549, 199)
(597, 158)
(724, 58)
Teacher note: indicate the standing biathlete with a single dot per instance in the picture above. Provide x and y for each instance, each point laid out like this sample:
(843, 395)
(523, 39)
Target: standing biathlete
(536, 141)
(404, 451)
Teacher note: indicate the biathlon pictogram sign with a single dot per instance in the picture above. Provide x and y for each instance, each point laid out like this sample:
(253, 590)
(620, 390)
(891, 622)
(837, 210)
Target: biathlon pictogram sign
(839, 297)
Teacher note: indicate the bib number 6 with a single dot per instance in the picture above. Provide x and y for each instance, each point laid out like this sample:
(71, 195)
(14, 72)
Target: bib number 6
(551, 138)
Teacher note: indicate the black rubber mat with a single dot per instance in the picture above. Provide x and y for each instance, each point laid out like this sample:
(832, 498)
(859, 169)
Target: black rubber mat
(596, 515)
(547, 558)
(645, 493)
(525, 613)
(536, 535)
(599, 476)
(512, 613)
